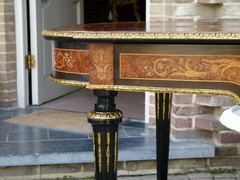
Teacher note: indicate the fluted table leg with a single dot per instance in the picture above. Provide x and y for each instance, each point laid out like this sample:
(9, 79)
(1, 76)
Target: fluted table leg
(105, 120)
(163, 113)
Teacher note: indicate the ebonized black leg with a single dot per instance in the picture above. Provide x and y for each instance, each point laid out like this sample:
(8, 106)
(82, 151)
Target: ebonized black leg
(105, 120)
(163, 112)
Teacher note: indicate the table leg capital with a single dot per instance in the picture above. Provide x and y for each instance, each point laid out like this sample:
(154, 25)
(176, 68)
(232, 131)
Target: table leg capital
(94, 115)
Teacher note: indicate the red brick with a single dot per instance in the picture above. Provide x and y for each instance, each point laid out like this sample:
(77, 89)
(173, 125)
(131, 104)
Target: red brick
(229, 19)
(223, 101)
(226, 151)
(157, 19)
(184, 1)
(228, 161)
(7, 38)
(11, 104)
(182, 98)
(152, 121)
(210, 124)
(220, 110)
(169, 10)
(207, 20)
(179, 1)
(7, 47)
(211, 1)
(228, 137)
(8, 66)
(214, 100)
(202, 99)
(152, 99)
(9, 76)
(179, 122)
(156, 1)
(7, 28)
(8, 95)
(88, 167)
(7, 57)
(156, 10)
(181, 19)
(7, 85)
(191, 110)
(7, 18)
(152, 111)
(6, 2)
(191, 134)
(6, 9)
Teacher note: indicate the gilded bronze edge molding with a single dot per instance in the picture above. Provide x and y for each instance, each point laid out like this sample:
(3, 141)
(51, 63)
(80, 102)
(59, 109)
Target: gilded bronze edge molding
(147, 89)
(68, 82)
(166, 90)
(141, 35)
(105, 115)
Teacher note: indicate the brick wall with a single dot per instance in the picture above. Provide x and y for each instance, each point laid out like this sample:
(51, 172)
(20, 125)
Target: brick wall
(194, 10)
(196, 117)
(7, 56)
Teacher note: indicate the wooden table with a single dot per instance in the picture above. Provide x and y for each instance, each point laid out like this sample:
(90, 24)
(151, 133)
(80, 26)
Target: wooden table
(161, 57)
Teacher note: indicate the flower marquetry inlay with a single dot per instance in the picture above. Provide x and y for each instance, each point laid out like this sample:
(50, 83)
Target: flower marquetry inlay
(71, 61)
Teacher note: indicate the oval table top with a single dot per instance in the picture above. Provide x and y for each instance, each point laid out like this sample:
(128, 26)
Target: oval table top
(219, 30)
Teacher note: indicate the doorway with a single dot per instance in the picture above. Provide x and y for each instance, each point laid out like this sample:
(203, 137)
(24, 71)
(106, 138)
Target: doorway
(83, 100)
(31, 17)
(87, 11)
(106, 10)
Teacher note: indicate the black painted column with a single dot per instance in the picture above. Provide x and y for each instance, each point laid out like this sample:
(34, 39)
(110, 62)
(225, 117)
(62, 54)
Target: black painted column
(163, 113)
(105, 120)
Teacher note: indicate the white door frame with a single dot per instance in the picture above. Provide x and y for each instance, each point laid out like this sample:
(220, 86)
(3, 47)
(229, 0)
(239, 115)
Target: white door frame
(147, 94)
(20, 10)
(21, 34)
(34, 24)
(147, 13)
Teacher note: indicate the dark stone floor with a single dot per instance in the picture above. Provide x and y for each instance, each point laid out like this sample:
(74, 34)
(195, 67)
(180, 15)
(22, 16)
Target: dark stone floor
(31, 145)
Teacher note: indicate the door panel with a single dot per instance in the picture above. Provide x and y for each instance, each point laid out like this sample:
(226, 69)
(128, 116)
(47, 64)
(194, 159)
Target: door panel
(47, 14)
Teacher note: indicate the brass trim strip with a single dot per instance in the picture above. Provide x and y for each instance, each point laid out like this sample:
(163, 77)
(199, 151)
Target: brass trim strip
(68, 82)
(115, 151)
(108, 153)
(169, 105)
(157, 105)
(71, 49)
(142, 35)
(164, 106)
(93, 138)
(99, 153)
(69, 72)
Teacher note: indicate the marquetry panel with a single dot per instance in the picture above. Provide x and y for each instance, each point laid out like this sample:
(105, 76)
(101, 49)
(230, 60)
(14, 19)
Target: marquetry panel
(218, 68)
(71, 61)
(101, 63)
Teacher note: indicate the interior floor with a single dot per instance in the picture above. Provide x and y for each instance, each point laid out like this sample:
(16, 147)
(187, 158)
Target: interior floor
(130, 103)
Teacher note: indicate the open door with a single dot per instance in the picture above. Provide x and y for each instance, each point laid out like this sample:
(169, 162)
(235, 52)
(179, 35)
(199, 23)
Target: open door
(47, 14)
